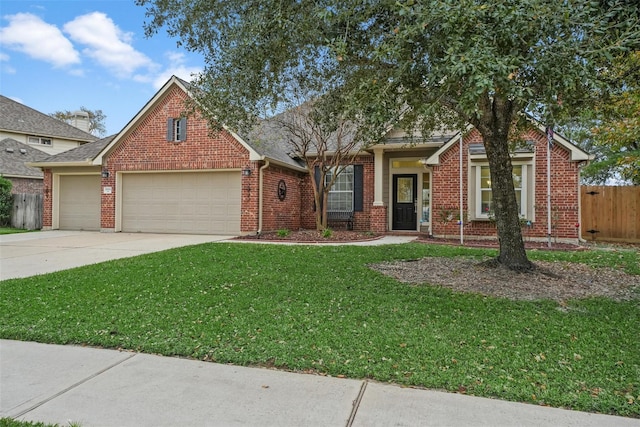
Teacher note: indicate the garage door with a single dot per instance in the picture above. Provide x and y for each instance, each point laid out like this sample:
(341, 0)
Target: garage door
(79, 202)
(189, 202)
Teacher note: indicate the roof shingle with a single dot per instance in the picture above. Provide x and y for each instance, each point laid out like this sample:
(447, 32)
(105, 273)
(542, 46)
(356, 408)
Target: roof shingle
(19, 118)
(14, 155)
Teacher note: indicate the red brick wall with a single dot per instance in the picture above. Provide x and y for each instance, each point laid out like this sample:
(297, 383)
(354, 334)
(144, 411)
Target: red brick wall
(281, 214)
(361, 220)
(564, 191)
(26, 185)
(145, 148)
(47, 205)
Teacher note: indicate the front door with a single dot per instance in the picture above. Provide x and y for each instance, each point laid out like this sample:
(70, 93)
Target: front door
(405, 202)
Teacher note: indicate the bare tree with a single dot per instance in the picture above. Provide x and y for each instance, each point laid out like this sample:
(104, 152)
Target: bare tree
(96, 119)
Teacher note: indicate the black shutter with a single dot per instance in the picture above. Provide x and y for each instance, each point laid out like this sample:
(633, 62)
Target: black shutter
(316, 173)
(183, 129)
(170, 129)
(358, 185)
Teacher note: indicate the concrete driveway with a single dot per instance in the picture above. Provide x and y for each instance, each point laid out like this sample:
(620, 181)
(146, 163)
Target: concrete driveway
(29, 254)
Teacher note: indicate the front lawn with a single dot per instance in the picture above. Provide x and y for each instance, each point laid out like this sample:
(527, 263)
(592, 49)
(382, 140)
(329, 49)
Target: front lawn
(322, 310)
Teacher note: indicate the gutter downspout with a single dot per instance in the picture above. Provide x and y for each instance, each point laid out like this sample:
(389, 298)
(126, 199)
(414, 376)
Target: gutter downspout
(579, 225)
(549, 143)
(461, 208)
(260, 195)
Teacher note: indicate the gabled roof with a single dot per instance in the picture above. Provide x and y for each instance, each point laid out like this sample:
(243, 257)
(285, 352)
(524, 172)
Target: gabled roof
(18, 118)
(82, 155)
(577, 154)
(14, 155)
(257, 151)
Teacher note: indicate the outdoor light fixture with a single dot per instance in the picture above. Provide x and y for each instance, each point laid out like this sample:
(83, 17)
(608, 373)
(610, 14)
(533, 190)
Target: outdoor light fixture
(105, 174)
(246, 172)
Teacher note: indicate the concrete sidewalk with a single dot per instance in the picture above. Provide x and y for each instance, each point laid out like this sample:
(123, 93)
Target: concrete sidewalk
(94, 387)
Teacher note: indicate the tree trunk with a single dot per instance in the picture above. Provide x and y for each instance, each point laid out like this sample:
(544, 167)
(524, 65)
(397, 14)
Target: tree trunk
(320, 197)
(494, 123)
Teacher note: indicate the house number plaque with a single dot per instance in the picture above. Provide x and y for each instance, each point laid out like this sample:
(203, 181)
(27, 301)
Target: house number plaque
(282, 190)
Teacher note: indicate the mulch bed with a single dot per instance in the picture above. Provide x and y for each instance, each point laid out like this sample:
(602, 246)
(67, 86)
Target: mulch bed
(493, 244)
(313, 236)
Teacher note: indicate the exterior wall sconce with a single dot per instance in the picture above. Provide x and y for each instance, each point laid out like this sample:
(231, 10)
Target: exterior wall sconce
(246, 172)
(105, 174)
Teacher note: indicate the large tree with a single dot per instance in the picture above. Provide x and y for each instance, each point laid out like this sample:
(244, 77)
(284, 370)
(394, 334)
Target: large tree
(610, 128)
(442, 63)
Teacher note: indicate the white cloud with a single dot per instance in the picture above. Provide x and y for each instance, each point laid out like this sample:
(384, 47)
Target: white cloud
(176, 67)
(4, 67)
(107, 44)
(29, 34)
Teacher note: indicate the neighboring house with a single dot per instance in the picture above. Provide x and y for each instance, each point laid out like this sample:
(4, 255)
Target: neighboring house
(166, 173)
(31, 127)
(13, 156)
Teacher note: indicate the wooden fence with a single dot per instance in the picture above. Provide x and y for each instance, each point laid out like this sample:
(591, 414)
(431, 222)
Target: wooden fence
(610, 213)
(27, 211)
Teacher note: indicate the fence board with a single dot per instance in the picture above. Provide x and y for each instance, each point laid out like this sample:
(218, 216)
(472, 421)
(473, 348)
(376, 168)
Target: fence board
(27, 211)
(610, 213)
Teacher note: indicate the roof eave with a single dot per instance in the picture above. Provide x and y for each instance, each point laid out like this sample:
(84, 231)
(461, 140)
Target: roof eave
(49, 165)
(22, 176)
(286, 165)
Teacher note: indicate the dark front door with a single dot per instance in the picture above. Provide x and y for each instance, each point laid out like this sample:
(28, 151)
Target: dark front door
(405, 202)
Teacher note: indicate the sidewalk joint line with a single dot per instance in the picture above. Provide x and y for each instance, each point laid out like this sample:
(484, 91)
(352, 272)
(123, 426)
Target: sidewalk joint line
(71, 387)
(356, 404)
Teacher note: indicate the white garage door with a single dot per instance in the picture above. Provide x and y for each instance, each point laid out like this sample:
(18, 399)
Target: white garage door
(188, 202)
(79, 202)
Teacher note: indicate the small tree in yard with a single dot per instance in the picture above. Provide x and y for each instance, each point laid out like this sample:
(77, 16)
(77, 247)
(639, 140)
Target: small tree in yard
(324, 140)
(437, 64)
(6, 201)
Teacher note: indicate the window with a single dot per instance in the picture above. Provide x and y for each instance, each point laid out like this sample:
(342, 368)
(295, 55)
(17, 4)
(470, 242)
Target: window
(176, 130)
(426, 197)
(484, 196)
(341, 194)
(39, 141)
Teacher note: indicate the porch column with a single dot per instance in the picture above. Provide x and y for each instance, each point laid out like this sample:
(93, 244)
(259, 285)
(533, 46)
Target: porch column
(378, 174)
(379, 209)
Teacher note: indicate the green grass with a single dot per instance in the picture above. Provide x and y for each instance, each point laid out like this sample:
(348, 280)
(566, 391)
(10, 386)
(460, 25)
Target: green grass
(9, 422)
(319, 308)
(9, 230)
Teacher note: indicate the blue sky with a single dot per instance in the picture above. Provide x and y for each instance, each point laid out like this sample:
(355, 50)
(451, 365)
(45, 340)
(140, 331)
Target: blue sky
(62, 55)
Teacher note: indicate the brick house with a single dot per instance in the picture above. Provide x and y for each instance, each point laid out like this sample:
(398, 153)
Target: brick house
(167, 173)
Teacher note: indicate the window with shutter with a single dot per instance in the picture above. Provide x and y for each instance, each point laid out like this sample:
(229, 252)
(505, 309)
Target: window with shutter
(176, 129)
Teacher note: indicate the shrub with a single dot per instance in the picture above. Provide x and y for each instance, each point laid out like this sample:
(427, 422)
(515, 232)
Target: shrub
(326, 233)
(283, 232)
(6, 201)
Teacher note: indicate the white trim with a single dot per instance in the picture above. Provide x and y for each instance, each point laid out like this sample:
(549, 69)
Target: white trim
(55, 196)
(418, 171)
(378, 173)
(120, 179)
(577, 154)
(525, 191)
